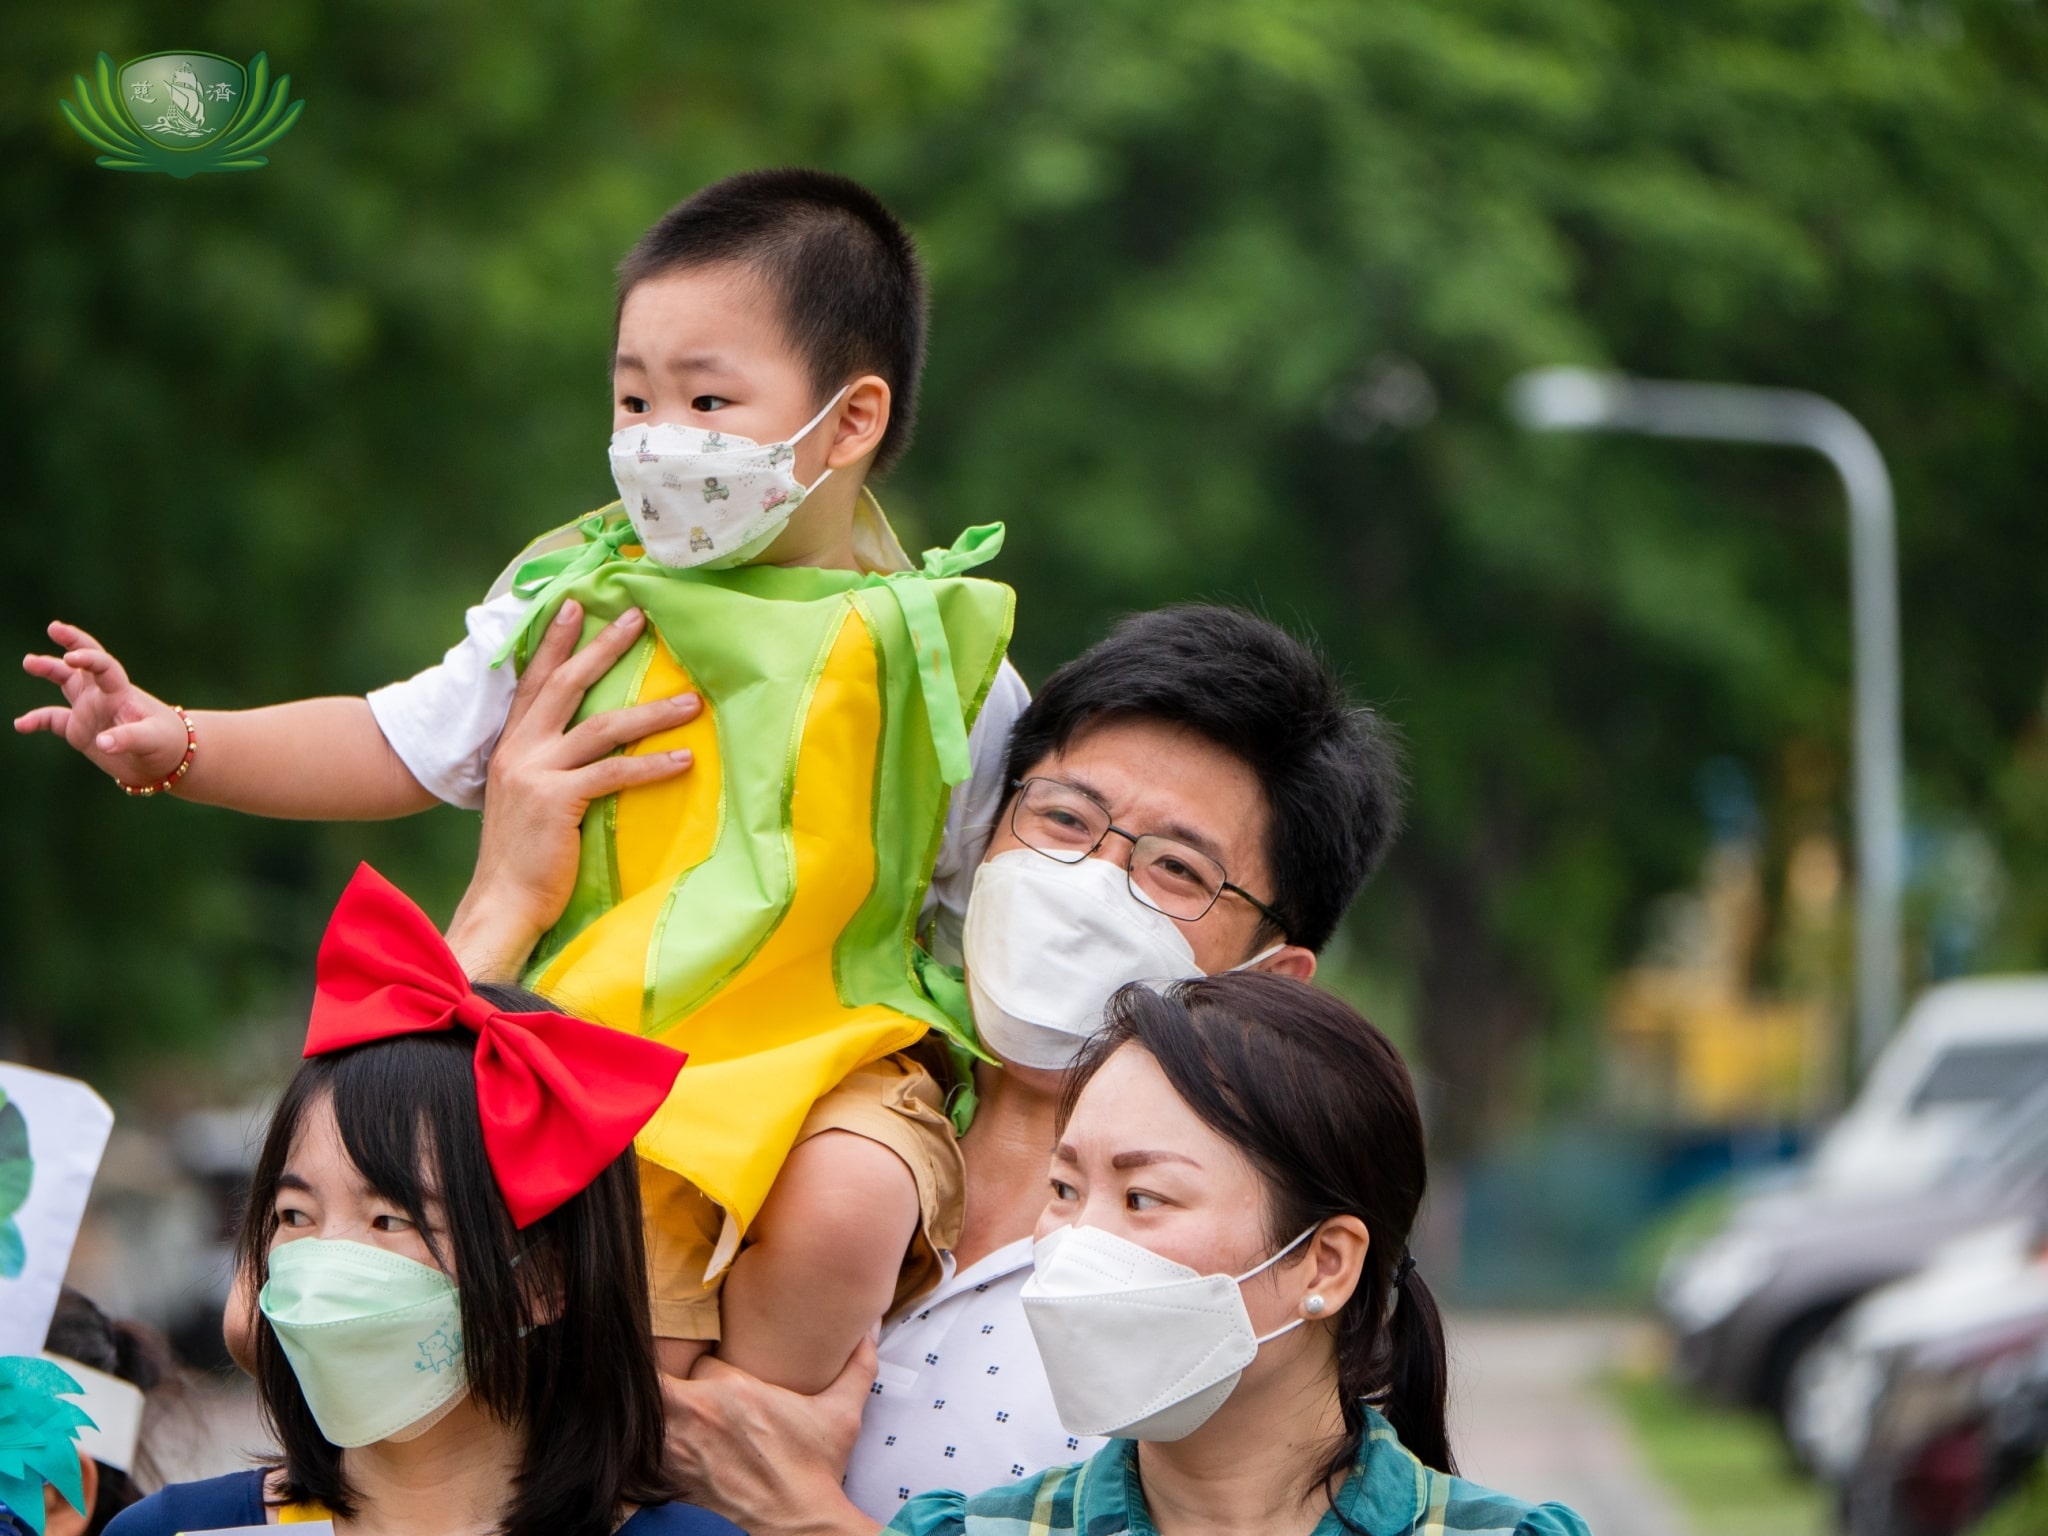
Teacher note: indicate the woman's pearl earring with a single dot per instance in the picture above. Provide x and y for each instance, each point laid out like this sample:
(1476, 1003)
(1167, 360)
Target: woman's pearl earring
(1313, 1306)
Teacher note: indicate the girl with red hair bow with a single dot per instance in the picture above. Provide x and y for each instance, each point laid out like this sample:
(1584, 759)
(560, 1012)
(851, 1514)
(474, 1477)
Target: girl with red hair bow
(443, 1239)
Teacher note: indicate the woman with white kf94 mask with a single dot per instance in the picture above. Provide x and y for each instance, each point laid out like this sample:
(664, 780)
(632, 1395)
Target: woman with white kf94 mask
(1222, 1277)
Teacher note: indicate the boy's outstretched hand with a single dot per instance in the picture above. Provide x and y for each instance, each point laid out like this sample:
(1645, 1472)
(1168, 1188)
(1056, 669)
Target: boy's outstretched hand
(133, 736)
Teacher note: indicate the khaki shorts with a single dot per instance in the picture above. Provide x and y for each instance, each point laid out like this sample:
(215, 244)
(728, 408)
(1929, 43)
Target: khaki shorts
(895, 1102)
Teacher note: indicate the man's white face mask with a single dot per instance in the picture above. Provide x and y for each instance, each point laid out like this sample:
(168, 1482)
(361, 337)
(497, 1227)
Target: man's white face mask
(1047, 944)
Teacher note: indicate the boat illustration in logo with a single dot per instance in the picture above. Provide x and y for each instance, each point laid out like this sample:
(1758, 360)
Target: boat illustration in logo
(181, 113)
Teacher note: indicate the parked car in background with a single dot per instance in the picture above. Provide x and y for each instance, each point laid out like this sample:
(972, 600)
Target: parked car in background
(1990, 1280)
(1968, 1053)
(1929, 1401)
(1747, 1305)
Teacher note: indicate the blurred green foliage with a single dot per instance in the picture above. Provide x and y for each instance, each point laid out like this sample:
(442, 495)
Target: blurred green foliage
(1726, 1467)
(1227, 293)
(2021, 1512)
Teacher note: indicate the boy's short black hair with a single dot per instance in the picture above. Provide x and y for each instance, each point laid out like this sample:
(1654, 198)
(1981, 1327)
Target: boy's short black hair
(1331, 770)
(555, 1331)
(844, 270)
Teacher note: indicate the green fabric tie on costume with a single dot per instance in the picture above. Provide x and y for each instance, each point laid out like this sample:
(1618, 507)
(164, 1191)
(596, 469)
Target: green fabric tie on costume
(545, 577)
(38, 1437)
(913, 594)
(946, 985)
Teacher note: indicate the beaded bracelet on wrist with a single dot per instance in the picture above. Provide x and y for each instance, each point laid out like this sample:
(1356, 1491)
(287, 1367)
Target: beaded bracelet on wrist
(184, 763)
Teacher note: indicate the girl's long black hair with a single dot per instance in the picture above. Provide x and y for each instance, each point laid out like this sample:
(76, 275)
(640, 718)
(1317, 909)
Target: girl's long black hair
(1322, 1106)
(558, 1344)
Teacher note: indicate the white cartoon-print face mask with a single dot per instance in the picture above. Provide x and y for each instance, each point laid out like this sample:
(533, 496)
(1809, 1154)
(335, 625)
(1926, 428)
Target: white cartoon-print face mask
(698, 497)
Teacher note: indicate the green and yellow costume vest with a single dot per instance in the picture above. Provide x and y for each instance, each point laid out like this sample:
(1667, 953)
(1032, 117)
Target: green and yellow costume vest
(760, 910)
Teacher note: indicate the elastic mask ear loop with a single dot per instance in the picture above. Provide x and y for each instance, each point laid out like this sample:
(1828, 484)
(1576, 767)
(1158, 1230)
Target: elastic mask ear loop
(1244, 965)
(805, 432)
(1307, 1233)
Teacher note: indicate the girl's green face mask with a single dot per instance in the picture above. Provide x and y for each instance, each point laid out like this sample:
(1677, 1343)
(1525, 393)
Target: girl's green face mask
(375, 1339)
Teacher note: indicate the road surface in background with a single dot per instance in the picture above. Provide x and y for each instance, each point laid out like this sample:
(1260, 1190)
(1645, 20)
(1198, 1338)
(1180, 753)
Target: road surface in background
(1528, 1417)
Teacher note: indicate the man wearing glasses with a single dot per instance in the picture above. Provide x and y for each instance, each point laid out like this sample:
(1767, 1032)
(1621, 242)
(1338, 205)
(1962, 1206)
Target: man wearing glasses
(1194, 794)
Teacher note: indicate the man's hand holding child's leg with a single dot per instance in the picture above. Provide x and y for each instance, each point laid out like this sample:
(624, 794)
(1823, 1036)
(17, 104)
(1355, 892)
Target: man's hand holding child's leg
(768, 1459)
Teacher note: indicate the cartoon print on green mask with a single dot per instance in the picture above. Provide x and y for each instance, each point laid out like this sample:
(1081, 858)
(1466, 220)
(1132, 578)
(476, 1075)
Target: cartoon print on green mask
(439, 1351)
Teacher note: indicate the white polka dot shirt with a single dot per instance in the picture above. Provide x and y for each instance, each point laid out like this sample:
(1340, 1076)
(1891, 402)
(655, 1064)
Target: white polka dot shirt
(961, 1401)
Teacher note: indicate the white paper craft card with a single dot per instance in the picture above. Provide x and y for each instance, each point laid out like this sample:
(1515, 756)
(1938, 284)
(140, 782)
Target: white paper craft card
(52, 1132)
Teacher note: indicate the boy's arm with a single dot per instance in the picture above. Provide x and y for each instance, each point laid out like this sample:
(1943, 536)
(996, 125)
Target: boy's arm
(316, 759)
(310, 760)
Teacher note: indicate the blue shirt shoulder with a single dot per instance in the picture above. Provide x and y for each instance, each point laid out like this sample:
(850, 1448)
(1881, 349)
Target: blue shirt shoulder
(211, 1505)
(237, 1499)
(678, 1520)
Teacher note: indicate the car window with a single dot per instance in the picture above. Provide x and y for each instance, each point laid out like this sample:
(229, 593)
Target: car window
(1990, 1076)
(2018, 1143)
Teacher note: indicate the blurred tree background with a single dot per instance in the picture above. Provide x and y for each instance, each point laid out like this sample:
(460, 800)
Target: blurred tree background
(1227, 294)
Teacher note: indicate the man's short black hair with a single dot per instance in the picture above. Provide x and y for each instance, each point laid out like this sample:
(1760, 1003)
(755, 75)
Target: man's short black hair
(843, 269)
(1331, 770)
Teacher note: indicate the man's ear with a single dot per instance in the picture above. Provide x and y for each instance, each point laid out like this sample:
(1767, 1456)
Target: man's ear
(863, 418)
(1291, 961)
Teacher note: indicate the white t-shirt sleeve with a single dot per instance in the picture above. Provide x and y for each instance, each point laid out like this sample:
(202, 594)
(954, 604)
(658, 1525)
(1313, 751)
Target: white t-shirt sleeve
(971, 817)
(444, 722)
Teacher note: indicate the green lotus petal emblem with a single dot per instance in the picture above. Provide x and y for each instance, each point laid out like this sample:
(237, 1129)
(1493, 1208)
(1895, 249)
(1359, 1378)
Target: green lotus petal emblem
(181, 113)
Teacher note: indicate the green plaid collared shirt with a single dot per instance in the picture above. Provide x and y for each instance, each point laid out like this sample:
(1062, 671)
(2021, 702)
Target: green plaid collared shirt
(1389, 1493)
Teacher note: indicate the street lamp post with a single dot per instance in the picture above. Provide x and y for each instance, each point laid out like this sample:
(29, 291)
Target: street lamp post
(1580, 400)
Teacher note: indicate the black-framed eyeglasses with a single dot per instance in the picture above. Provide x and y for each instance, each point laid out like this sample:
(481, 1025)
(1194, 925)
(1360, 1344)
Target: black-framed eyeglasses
(1165, 873)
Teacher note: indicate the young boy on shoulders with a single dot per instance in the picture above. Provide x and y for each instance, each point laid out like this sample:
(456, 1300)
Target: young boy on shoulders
(842, 714)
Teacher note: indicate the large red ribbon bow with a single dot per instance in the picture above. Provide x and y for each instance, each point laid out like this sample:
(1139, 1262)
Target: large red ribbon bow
(560, 1097)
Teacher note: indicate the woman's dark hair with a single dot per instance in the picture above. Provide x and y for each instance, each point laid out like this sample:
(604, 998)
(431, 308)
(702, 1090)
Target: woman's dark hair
(134, 1352)
(1330, 769)
(1322, 1106)
(581, 1379)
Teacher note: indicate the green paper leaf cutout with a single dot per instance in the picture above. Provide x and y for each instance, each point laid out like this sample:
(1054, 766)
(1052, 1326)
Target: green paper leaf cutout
(38, 1436)
(17, 1169)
